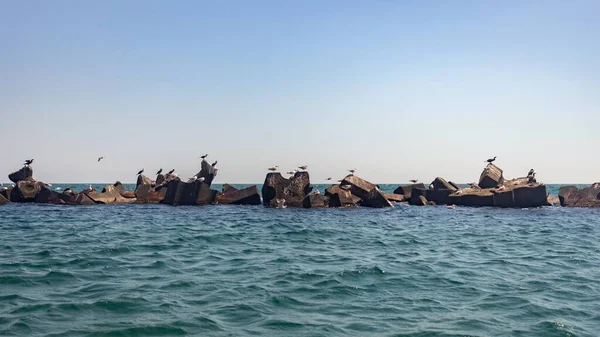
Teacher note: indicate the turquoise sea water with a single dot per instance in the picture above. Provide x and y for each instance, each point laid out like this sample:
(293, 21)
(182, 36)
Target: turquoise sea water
(155, 270)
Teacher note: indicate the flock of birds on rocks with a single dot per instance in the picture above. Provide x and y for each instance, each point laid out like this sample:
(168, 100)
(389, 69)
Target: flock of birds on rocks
(530, 175)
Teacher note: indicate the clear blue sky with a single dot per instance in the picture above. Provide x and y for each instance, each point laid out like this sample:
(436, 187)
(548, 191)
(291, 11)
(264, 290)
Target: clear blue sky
(396, 89)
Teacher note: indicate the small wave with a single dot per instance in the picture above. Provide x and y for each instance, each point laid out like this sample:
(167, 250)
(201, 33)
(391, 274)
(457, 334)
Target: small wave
(159, 330)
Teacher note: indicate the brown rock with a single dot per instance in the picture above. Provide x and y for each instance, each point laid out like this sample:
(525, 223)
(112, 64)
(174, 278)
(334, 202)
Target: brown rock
(477, 198)
(109, 195)
(394, 197)
(530, 196)
(491, 177)
(143, 180)
(26, 191)
(207, 172)
(245, 196)
(441, 184)
(315, 201)
(503, 199)
(48, 196)
(339, 197)
(375, 198)
(3, 200)
(571, 196)
(359, 186)
(159, 179)
(417, 200)
(25, 173)
(439, 196)
(292, 190)
(82, 199)
(553, 200)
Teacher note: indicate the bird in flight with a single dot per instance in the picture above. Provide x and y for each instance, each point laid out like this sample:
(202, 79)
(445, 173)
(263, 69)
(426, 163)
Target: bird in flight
(100, 158)
(141, 171)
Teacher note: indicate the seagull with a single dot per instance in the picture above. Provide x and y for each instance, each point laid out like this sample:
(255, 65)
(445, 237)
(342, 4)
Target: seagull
(58, 188)
(100, 158)
(171, 172)
(291, 172)
(532, 178)
(346, 187)
(214, 164)
(414, 181)
(273, 168)
(141, 171)
(194, 178)
(491, 160)
(431, 186)
(352, 171)
(28, 162)
(206, 155)
(159, 172)
(531, 172)
(303, 167)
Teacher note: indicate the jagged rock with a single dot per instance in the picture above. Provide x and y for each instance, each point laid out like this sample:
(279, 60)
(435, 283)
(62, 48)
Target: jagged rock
(193, 193)
(376, 199)
(228, 188)
(143, 180)
(25, 173)
(82, 199)
(26, 191)
(491, 177)
(394, 197)
(359, 186)
(440, 183)
(3, 200)
(48, 196)
(109, 195)
(207, 172)
(159, 179)
(245, 196)
(315, 201)
(339, 197)
(292, 190)
(571, 196)
(530, 196)
(406, 190)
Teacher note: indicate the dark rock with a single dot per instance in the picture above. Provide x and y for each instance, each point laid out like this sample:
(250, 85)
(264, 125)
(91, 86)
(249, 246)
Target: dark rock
(359, 186)
(82, 199)
(477, 199)
(394, 197)
(440, 196)
(245, 196)
(571, 196)
(417, 200)
(143, 191)
(504, 199)
(193, 193)
(530, 196)
(3, 200)
(152, 197)
(491, 177)
(315, 201)
(441, 184)
(143, 180)
(375, 198)
(25, 173)
(207, 172)
(339, 197)
(228, 188)
(292, 190)
(48, 196)
(454, 185)
(159, 179)
(26, 191)
(407, 189)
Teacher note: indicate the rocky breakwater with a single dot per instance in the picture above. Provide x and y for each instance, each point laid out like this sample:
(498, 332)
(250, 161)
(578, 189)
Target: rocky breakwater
(572, 196)
(493, 190)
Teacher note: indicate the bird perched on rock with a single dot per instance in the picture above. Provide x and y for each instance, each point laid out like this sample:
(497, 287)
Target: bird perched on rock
(100, 158)
(215, 163)
(491, 160)
(141, 171)
(352, 171)
(431, 186)
(414, 181)
(531, 172)
(28, 162)
(291, 172)
(171, 172)
(531, 178)
(303, 167)
(159, 172)
(203, 157)
(273, 168)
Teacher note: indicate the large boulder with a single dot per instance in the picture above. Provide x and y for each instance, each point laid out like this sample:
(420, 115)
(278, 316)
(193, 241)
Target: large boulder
(292, 190)
(530, 196)
(439, 196)
(159, 179)
(109, 195)
(143, 180)
(392, 197)
(5, 192)
(192, 193)
(25, 173)
(376, 199)
(406, 190)
(207, 171)
(26, 191)
(418, 198)
(3, 200)
(503, 198)
(339, 197)
(82, 199)
(48, 196)
(440, 183)
(491, 177)
(315, 200)
(368, 192)
(245, 196)
(571, 196)
(476, 198)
